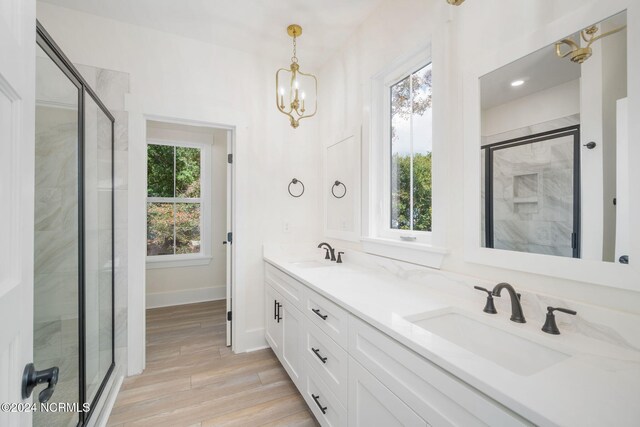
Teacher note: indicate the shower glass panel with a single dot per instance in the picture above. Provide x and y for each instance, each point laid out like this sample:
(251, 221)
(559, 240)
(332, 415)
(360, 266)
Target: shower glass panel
(98, 248)
(74, 271)
(56, 335)
(533, 194)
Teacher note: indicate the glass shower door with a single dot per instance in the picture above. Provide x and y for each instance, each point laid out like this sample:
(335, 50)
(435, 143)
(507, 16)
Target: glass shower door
(98, 251)
(74, 272)
(57, 235)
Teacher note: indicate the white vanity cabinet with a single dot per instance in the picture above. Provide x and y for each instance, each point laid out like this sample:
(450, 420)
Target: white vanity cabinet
(351, 373)
(373, 404)
(285, 332)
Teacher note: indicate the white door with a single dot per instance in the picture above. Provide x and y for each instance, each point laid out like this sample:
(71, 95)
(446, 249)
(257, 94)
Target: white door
(229, 279)
(17, 100)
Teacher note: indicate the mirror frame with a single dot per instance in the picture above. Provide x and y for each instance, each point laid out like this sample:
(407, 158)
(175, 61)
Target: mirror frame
(588, 271)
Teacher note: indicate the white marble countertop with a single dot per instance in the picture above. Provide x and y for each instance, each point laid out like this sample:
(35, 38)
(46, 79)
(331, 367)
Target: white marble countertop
(597, 385)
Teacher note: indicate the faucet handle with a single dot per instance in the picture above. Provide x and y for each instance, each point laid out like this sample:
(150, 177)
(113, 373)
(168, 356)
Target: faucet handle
(550, 325)
(489, 306)
(326, 254)
(564, 310)
(339, 260)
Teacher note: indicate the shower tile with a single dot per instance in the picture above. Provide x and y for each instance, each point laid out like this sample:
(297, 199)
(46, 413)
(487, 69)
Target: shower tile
(111, 87)
(121, 133)
(122, 170)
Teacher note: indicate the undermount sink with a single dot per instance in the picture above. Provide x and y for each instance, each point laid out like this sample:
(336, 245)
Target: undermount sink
(312, 264)
(515, 353)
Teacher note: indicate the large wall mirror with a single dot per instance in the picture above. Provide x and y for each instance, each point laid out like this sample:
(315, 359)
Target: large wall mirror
(342, 187)
(554, 149)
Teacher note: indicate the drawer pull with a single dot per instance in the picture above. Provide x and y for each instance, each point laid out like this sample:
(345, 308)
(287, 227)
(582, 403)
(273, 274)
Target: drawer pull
(275, 310)
(279, 317)
(322, 408)
(317, 311)
(317, 352)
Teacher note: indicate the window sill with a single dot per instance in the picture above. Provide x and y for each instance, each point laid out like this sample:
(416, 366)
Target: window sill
(415, 253)
(174, 261)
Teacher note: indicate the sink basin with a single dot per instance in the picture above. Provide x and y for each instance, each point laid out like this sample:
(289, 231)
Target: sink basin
(312, 264)
(513, 352)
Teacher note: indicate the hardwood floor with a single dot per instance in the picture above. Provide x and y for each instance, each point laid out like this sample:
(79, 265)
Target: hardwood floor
(193, 379)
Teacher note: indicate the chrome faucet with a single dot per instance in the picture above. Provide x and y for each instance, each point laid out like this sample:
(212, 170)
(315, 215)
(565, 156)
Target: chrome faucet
(516, 309)
(329, 250)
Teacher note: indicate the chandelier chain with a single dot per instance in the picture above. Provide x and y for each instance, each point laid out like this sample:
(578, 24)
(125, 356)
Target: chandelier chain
(294, 58)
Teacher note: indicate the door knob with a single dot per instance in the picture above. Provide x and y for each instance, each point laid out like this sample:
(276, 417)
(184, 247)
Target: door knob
(31, 378)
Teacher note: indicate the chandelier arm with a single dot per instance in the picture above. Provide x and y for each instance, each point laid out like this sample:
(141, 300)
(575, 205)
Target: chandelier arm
(315, 82)
(573, 45)
(583, 34)
(608, 33)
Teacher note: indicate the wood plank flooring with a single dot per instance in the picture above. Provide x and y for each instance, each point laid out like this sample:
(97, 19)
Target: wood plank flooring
(193, 379)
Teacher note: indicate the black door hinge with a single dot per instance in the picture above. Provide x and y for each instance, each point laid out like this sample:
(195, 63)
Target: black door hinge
(229, 158)
(574, 240)
(230, 237)
(229, 316)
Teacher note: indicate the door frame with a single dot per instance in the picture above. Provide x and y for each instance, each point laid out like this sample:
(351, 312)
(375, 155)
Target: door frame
(56, 54)
(136, 328)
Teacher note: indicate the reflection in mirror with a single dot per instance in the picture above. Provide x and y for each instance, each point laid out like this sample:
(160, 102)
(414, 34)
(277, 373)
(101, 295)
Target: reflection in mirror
(341, 199)
(554, 148)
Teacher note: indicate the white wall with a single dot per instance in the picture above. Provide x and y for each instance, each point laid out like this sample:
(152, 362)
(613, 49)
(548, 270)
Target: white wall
(553, 103)
(184, 285)
(181, 78)
(470, 30)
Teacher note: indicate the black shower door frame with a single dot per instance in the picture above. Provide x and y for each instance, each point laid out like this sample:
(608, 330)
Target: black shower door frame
(45, 41)
(573, 131)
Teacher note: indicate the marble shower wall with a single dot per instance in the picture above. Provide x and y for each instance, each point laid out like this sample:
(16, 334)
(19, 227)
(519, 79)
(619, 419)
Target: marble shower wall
(533, 197)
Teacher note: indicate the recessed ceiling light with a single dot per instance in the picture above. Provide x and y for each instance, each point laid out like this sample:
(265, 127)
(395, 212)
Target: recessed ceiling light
(517, 83)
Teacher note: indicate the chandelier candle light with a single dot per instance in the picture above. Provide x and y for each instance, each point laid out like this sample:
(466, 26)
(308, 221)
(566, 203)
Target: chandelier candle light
(298, 81)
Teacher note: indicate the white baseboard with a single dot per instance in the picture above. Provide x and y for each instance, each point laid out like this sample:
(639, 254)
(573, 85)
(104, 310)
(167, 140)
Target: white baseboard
(187, 296)
(252, 340)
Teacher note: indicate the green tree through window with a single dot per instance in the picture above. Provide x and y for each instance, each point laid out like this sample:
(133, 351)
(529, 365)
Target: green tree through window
(411, 152)
(173, 200)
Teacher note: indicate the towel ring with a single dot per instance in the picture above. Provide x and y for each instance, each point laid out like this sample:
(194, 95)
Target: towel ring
(295, 181)
(338, 184)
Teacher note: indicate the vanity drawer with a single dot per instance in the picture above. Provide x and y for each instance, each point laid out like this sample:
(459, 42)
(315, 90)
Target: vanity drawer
(439, 398)
(288, 287)
(328, 359)
(327, 316)
(322, 402)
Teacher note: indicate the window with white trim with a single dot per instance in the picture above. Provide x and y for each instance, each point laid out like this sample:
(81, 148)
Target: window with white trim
(403, 148)
(176, 200)
(410, 145)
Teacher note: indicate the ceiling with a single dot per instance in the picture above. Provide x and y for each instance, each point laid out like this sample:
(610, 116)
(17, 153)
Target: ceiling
(250, 25)
(539, 70)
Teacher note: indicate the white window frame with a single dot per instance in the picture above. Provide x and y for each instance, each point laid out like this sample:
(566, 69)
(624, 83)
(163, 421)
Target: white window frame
(384, 219)
(419, 247)
(204, 256)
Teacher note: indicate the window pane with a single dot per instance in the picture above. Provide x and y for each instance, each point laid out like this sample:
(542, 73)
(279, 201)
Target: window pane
(159, 228)
(187, 228)
(160, 171)
(421, 141)
(401, 155)
(187, 172)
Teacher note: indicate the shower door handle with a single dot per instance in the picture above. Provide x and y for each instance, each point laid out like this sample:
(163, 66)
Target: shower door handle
(31, 378)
